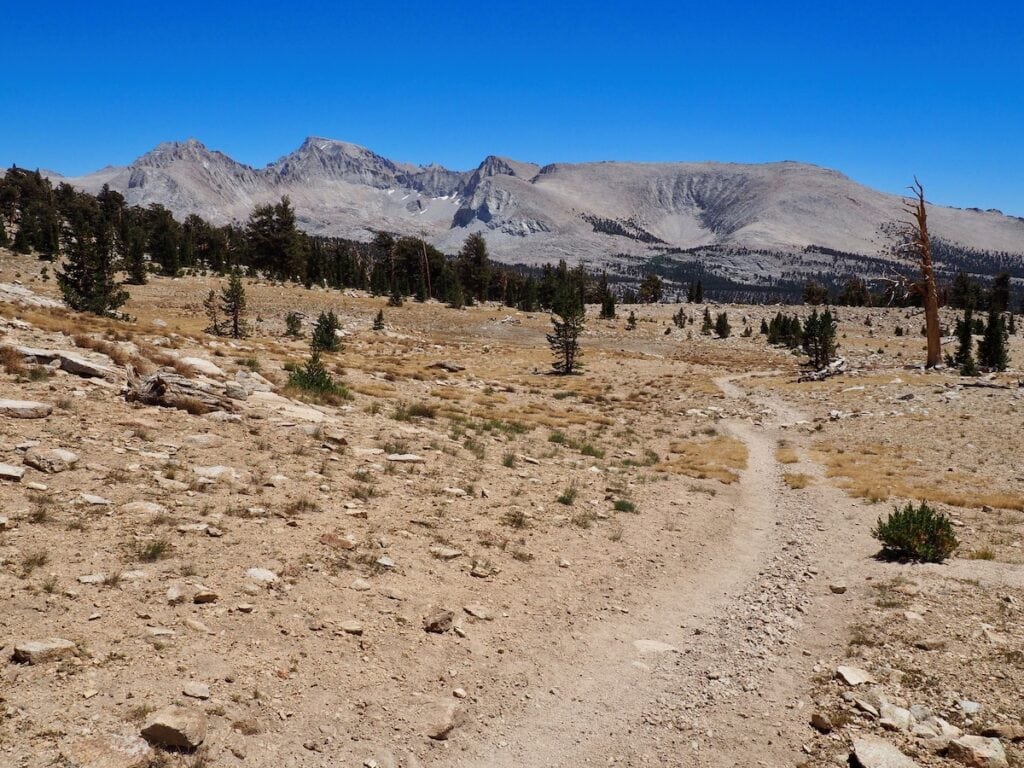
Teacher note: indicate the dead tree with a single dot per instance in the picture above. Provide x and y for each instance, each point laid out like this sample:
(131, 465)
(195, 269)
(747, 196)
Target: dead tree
(918, 243)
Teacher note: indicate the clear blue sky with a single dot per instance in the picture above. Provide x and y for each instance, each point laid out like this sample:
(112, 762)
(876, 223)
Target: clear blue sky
(878, 90)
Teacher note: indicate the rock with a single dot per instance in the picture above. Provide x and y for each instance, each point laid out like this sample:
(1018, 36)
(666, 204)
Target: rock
(652, 646)
(405, 458)
(72, 362)
(175, 595)
(176, 727)
(969, 707)
(261, 575)
(143, 508)
(196, 690)
(218, 472)
(24, 409)
(445, 553)
(444, 721)
(1005, 731)
(203, 440)
(346, 542)
(837, 588)
(895, 718)
(204, 596)
(286, 408)
(930, 644)
(980, 751)
(11, 473)
(439, 622)
(50, 460)
(447, 365)
(96, 501)
(351, 627)
(477, 611)
(853, 675)
(385, 562)
(875, 753)
(204, 367)
(92, 578)
(114, 751)
(821, 722)
(360, 585)
(42, 651)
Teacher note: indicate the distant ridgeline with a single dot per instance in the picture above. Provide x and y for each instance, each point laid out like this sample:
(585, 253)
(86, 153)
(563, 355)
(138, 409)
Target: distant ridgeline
(36, 217)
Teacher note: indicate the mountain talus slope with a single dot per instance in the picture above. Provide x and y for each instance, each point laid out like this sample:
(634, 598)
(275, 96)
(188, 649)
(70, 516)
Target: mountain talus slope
(593, 212)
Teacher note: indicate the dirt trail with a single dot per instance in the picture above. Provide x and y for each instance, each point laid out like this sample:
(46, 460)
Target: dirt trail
(665, 684)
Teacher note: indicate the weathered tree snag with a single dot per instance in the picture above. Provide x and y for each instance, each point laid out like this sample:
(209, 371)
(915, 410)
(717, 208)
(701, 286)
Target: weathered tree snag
(922, 245)
(168, 388)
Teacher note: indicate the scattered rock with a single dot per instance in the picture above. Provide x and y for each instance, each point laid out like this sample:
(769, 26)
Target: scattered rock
(979, 751)
(853, 675)
(51, 460)
(96, 501)
(114, 751)
(176, 727)
(477, 611)
(205, 595)
(405, 458)
(351, 627)
(346, 542)
(204, 367)
(445, 553)
(24, 409)
(821, 722)
(837, 588)
(1005, 731)
(875, 753)
(42, 651)
(439, 622)
(196, 690)
(652, 646)
(261, 575)
(444, 721)
(11, 473)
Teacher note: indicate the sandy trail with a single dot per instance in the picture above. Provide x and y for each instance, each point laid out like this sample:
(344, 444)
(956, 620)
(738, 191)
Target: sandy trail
(647, 687)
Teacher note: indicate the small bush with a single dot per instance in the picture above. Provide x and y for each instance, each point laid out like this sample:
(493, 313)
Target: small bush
(151, 551)
(568, 496)
(916, 532)
(314, 380)
(624, 505)
(509, 460)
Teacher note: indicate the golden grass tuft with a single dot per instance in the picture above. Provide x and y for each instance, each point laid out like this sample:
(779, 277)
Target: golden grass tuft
(718, 458)
(796, 480)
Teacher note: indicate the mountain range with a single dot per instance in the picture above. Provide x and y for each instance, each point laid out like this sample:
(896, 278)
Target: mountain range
(753, 222)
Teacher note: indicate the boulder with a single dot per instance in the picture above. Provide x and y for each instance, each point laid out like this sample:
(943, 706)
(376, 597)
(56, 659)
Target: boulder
(42, 651)
(853, 675)
(405, 458)
(439, 622)
(196, 690)
(24, 409)
(176, 727)
(979, 751)
(113, 751)
(874, 753)
(203, 366)
(443, 721)
(51, 460)
(11, 473)
(72, 362)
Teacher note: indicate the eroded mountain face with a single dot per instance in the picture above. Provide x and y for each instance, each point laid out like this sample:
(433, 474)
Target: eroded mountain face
(597, 212)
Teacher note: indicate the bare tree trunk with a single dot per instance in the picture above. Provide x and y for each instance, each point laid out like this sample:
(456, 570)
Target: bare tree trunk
(929, 294)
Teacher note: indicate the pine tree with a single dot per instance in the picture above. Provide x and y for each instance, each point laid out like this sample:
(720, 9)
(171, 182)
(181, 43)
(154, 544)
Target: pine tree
(232, 304)
(325, 336)
(211, 306)
(87, 279)
(764, 327)
(819, 338)
(705, 326)
(650, 289)
(965, 338)
(293, 325)
(474, 266)
(992, 353)
(631, 321)
(607, 299)
(564, 339)
(999, 298)
(135, 261)
(722, 327)
(378, 321)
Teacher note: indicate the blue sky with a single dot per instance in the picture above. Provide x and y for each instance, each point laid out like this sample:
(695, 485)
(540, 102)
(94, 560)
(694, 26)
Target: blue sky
(878, 90)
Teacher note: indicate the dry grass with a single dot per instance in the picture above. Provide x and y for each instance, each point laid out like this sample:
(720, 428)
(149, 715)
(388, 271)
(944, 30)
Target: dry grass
(796, 480)
(12, 361)
(880, 473)
(718, 458)
(786, 454)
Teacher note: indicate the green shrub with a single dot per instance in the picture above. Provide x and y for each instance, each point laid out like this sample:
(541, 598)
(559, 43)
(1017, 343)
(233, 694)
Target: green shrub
(623, 505)
(314, 380)
(916, 532)
(325, 333)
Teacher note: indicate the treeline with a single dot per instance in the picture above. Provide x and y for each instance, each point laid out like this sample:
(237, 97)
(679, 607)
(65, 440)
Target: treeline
(101, 235)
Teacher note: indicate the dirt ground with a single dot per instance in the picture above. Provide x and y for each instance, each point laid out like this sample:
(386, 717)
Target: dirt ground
(661, 561)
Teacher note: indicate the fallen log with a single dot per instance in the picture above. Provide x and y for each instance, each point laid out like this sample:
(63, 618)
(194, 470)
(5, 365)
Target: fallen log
(168, 388)
(834, 368)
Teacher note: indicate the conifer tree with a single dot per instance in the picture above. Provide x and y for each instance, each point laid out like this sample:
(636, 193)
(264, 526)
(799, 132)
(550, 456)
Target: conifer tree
(705, 326)
(631, 321)
(819, 338)
(607, 299)
(325, 336)
(232, 304)
(564, 338)
(135, 261)
(378, 321)
(965, 338)
(722, 327)
(87, 278)
(211, 306)
(293, 325)
(992, 353)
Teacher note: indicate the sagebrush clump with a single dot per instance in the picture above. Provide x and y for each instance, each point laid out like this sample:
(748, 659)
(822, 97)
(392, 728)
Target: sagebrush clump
(916, 532)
